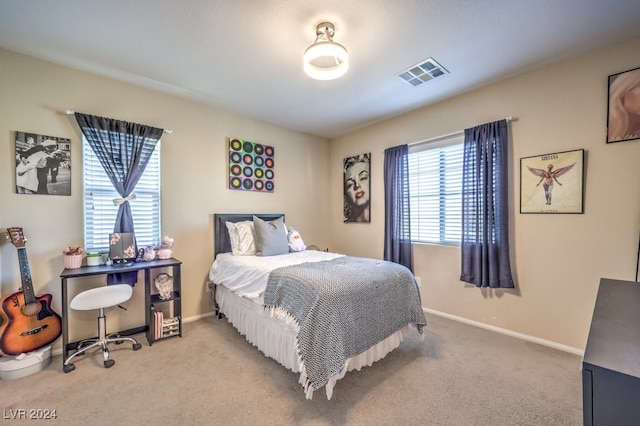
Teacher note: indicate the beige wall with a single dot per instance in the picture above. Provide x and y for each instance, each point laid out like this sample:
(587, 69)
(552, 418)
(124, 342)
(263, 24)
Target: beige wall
(558, 260)
(33, 97)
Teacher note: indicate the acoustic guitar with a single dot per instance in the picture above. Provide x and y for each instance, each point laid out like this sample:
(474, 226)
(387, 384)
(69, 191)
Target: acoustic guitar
(31, 323)
(3, 325)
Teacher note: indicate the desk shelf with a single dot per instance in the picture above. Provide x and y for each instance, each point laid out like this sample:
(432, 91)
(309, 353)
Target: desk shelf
(171, 306)
(175, 295)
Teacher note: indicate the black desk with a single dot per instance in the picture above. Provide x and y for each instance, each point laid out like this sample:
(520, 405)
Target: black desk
(149, 298)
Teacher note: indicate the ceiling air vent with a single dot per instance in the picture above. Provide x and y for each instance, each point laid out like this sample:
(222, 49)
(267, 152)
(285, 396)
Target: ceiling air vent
(423, 72)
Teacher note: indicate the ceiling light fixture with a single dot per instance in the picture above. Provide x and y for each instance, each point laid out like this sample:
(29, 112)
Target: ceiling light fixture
(325, 59)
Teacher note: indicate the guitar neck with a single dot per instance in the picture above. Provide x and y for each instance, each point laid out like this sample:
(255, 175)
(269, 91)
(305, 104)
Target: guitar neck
(25, 276)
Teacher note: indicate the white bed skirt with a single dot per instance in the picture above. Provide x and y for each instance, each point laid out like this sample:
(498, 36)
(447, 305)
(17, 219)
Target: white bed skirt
(276, 338)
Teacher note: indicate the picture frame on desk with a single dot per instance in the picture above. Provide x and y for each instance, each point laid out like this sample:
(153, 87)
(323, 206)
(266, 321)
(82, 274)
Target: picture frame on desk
(122, 247)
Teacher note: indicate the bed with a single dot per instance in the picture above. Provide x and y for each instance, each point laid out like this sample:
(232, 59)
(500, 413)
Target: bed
(316, 313)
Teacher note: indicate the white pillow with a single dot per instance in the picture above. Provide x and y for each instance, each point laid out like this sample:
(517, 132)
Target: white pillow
(242, 236)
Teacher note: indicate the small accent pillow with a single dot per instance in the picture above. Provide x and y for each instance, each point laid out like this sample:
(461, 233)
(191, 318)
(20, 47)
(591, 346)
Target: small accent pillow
(242, 236)
(295, 241)
(271, 237)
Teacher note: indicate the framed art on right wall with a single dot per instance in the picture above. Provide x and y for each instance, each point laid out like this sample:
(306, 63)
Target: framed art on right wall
(356, 189)
(552, 183)
(623, 111)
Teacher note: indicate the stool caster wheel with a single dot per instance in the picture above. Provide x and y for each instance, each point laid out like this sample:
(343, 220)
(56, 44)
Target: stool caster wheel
(137, 346)
(68, 368)
(109, 363)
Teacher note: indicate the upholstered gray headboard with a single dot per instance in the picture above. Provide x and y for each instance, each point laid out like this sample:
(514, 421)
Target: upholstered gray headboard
(221, 241)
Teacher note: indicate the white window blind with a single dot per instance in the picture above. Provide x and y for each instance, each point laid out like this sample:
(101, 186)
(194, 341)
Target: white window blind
(435, 190)
(100, 212)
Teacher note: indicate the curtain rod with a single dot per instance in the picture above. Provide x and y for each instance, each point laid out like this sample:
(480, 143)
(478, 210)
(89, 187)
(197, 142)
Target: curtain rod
(448, 135)
(71, 112)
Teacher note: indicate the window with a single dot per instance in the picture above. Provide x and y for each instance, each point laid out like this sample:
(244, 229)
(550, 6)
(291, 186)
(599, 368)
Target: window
(435, 187)
(100, 212)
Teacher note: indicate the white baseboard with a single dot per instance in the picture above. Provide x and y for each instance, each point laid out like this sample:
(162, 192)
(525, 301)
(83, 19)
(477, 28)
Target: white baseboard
(526, 337)
(198, 317)
(58, 351)
(504, 331)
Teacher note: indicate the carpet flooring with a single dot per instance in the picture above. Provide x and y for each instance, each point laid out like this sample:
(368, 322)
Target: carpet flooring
(458, 375)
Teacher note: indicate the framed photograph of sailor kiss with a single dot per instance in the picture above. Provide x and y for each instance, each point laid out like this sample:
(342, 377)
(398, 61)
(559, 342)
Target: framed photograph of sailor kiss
(42, 164)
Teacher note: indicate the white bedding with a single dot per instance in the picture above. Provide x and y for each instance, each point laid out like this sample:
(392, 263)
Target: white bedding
(241, 281)
(247, 275)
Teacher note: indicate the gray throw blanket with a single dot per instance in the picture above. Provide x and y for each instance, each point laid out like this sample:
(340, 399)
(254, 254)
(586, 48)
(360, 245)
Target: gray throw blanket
(343, 307)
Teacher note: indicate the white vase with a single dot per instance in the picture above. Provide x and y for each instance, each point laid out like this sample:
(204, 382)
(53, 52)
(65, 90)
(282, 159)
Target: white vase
(93, 260)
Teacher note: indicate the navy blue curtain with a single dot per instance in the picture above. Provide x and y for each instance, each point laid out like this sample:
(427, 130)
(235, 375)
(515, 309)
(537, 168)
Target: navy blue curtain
(485, 207)
(397, 222)
(124, 150)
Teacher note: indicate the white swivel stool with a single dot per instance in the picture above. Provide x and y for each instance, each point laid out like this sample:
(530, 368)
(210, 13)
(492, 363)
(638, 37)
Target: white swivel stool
(100, 298)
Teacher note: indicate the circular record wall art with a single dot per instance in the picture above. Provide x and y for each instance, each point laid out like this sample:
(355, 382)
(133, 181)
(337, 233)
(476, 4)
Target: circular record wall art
(251, 166)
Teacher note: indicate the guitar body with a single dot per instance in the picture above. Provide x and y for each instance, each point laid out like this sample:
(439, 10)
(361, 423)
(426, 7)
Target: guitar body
(3, 325)
(29, 322)
(30, 326)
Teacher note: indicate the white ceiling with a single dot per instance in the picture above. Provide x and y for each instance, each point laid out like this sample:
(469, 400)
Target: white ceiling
(245, 56)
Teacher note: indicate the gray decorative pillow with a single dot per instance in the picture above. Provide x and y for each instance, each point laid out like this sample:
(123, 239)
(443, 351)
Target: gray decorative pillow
(271, 237)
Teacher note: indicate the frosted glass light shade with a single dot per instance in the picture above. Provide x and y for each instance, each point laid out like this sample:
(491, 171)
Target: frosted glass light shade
(326, 60)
